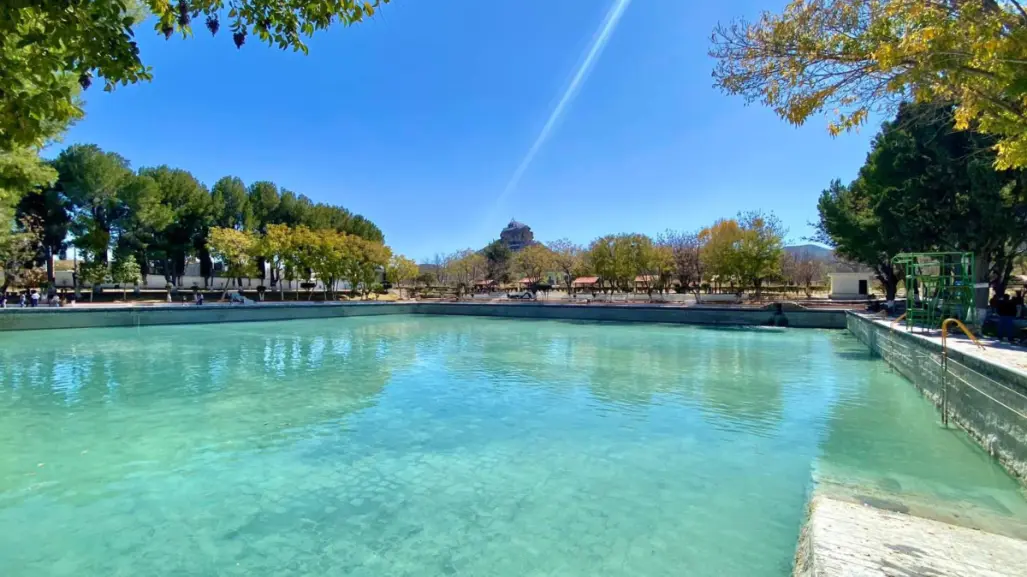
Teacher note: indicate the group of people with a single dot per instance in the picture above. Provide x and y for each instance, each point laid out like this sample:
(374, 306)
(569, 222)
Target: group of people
(30, 298)
(1006, 310)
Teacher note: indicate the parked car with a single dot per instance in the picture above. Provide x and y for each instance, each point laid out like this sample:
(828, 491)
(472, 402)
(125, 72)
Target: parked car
(521, 295)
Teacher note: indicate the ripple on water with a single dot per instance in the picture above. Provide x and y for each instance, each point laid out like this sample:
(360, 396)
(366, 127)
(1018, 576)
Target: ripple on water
(464, 446)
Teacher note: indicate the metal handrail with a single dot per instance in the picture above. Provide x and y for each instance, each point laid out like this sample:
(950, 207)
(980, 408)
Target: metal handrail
(959, 323)
(945, 362)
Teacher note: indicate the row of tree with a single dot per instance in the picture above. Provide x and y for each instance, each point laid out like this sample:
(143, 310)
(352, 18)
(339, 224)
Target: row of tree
(160, 218)
(926, 187)
(50, 51)
(301, 253)
(743, 252)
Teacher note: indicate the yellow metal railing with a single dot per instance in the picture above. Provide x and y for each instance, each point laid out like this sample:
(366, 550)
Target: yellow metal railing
(959, 323)
(945, 362)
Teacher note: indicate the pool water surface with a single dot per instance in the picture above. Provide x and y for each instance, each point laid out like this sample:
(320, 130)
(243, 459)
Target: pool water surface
(424, 446)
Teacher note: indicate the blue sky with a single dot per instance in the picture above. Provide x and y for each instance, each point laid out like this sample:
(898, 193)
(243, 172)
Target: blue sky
(419, 119)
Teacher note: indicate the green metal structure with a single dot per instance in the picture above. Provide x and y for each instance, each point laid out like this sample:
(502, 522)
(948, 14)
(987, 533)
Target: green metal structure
(939, 285)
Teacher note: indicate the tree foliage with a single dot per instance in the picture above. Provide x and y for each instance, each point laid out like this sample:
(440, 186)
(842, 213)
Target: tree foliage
(655, 264)
(51, 48)
(464, 269)
(21, 173)
(18, 251)
(745, 250)
(802, 269)
(928, 187)
(498, 257)
(94, 272)
(719, 256)
(848, 222)
(161, 215)
(568, 260)
(92, 180)
(853, 57)
(686, 253)
(235, 249)
(614, 259)
(534, 261)
(125, 271)
(401, 270)
(47, 206)
(759, 250)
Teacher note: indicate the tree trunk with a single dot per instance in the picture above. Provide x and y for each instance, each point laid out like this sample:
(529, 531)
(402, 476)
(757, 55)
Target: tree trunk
(224, 289)
(144, 263)
(888, 281)
(981, 286)
(1001, 271)
(50, 277)
(206, 266)
(261, 269)
(169, 273)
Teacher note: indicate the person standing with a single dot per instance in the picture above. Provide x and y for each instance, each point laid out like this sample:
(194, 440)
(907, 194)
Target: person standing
(21, 299)
(3, 300)
(1006, 317)
(34, 297)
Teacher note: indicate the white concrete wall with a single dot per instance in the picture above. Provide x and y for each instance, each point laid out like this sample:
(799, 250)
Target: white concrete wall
(65, 279)
(846, 284)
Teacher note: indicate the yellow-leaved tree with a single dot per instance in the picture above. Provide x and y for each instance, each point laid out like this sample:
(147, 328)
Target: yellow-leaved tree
(235, 249)
(534, 261)
(850, 58)
(275, 246)
(719, 250)
(401, 270)
(655, 265)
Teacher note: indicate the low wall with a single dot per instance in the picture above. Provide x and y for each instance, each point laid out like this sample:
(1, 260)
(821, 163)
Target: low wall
(12, 319)
(820, 319)
(986, 399)
(98, 317)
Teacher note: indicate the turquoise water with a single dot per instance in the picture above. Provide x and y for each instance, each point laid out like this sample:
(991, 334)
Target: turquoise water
(427, 446)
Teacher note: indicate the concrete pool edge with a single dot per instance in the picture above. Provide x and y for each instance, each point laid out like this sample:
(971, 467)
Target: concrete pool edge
(15, 319)
(985, 398)
(844, 538)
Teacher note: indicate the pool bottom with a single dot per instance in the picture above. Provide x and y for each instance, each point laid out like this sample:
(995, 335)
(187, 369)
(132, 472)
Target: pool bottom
(427, 446)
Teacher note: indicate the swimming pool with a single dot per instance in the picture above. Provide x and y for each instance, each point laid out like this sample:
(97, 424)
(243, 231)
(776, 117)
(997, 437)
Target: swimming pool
(420, 445)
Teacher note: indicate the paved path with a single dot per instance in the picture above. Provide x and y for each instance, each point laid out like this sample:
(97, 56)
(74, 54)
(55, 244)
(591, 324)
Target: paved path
(843, 539)
(1005, 354)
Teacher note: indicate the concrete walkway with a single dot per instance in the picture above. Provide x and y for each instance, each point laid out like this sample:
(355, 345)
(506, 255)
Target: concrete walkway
(842, 539)
(996, 351)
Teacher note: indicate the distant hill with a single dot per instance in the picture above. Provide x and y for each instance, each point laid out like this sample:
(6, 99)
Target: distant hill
(816, 251)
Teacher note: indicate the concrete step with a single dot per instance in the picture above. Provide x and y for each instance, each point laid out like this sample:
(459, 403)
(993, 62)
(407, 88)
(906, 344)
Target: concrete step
(843, 539)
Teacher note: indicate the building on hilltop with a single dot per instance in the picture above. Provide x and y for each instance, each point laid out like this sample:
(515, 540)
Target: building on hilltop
(517, 235)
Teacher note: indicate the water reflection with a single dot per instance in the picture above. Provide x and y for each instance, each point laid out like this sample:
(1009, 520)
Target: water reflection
(155, 395)
(414, 445)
